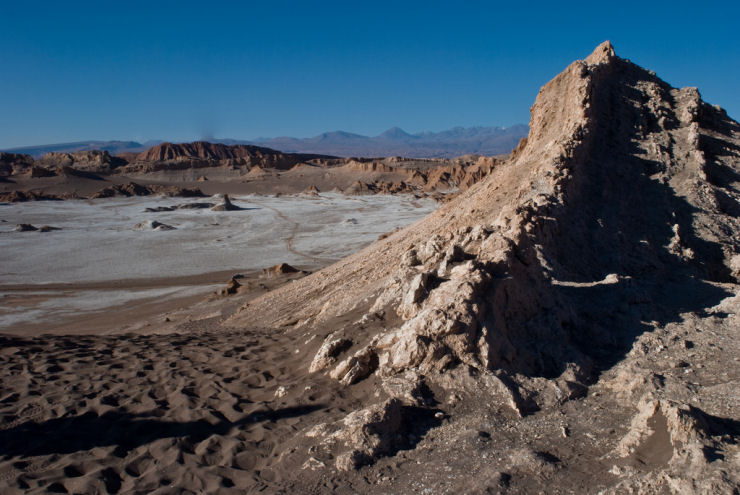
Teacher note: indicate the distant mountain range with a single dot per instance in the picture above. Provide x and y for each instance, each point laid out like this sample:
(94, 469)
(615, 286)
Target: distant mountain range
(393, 142)
(397, 142)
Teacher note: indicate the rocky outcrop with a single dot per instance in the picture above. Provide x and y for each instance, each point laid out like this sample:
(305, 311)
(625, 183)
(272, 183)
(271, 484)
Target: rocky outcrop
(326, 356)
(231, 288)
(85, 161)
(153, 225)
(363, 435)
(539, 275)
(130, 189)
(201, 154)
(200, 149)
(133, 189)
(372, 166)
(499, 309)
(226, 205)
(311, 190)
(279, 270)
(676, 443)
(21, 196)
(356, 367)
(14, 164)
(360, 187)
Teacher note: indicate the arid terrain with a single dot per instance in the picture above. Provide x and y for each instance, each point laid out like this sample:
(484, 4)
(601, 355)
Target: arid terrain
(567, 321)
(117, 263)
(394, 141)
(202, 168)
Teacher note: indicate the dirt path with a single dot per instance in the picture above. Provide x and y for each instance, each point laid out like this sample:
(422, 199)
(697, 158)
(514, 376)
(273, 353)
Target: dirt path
(291, 237)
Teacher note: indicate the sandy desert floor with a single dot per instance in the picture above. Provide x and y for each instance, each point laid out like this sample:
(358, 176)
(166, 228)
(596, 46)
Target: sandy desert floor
(181, 405)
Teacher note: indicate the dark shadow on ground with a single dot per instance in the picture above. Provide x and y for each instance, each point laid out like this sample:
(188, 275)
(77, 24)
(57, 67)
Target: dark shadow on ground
(125, 430)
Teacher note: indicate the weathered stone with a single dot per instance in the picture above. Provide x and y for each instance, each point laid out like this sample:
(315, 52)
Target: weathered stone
(417, 291)
(327, 353)
(357, 367)
(369, 433)
(407, 387)
(226, 205)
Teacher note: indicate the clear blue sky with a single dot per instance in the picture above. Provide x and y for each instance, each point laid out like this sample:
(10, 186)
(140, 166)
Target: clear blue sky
(185, 70)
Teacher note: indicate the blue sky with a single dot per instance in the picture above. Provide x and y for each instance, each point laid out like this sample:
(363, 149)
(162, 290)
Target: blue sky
(186, 70)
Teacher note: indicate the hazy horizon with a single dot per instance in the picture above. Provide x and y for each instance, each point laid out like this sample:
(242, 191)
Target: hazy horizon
(155, 139)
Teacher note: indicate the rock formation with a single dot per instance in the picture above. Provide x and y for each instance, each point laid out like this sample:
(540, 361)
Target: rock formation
(181, 163)
(539, 277)
(199, 154)
(278, 270)
(134, 189)
(153, 225)
(14, 164)
(86, 161)
(226, 205)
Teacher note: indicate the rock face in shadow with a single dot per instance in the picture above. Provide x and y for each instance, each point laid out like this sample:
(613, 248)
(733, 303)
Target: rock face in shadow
(616, 216)
(85, 161)
(14, 163)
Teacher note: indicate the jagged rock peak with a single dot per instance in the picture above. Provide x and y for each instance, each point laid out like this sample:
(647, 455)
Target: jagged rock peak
(604, 53)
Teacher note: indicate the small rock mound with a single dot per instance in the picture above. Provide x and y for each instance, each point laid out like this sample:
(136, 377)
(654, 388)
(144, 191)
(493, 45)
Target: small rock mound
(21, 196)
(128, 190)
(231, 288)
(369, 433)
(153, 225)
(678, 443)
(278, 270)
(311, 191)
(27, 227)
(327, 353)
(226, 205)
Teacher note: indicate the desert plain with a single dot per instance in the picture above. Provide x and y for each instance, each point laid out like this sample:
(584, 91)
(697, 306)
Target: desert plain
(563, 319)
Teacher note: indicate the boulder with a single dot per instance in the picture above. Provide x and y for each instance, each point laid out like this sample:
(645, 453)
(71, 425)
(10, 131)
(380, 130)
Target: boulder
(153, 225)
(369, 433)
(356, 367)
(231, 288)
(279, 270)
(327, 353)
(226, 205)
